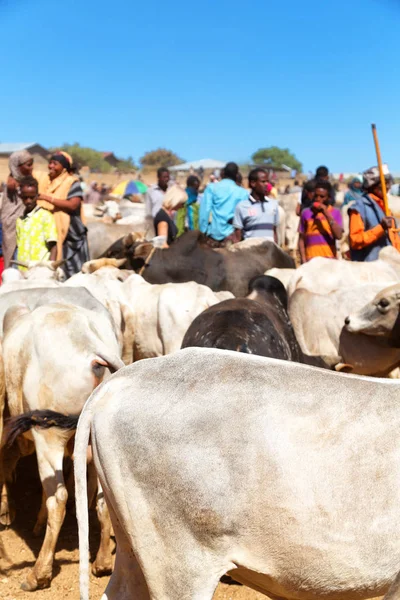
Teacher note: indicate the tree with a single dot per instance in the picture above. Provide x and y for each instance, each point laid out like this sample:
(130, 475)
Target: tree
(160, 158)
(275, 157)
(127, 165)
(87, 157)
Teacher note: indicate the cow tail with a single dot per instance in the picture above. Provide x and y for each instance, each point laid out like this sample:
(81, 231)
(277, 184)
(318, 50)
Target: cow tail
(80, 468)
(44, 419)
(81, 497)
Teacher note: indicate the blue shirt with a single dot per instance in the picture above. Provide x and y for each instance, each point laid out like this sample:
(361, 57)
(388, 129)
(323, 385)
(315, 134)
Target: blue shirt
(257, 219)
(218, 204)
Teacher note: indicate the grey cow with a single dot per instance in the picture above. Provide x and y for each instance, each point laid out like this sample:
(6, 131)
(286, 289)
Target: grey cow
(284, 475)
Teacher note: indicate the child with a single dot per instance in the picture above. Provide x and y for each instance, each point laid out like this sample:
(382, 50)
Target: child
(306, 197)
(320, 225)
(36, 229)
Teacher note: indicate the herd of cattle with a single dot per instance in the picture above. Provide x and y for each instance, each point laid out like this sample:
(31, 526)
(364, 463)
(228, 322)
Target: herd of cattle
(239, 448)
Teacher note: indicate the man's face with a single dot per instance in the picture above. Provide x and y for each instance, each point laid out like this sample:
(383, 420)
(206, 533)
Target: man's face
(29, 197)
(377, 190)
(163, 180)
(260, 186)
(321, 195)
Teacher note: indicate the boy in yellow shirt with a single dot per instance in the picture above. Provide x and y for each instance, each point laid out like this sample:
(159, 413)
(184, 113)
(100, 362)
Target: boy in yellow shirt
(36, 229)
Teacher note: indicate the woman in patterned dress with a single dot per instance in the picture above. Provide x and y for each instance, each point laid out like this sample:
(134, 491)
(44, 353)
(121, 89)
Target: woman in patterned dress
(61, 193)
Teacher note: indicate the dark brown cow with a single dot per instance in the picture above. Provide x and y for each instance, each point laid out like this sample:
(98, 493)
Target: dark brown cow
(258, 324)
(189, 259)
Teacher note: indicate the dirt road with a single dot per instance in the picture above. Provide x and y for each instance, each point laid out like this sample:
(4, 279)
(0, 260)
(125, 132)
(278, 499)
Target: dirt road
(18, 549)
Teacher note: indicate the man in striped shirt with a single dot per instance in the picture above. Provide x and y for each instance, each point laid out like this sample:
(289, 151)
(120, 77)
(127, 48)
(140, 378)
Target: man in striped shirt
(320, 226)
(258, 216)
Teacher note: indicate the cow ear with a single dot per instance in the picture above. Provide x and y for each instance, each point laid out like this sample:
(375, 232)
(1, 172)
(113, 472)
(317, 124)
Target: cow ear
(128, 240)
(142, 250)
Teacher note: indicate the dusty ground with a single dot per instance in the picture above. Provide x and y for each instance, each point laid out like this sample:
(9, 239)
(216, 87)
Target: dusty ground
(18, 549)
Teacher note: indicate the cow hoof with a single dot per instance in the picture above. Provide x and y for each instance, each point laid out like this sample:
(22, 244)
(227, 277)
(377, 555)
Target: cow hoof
(31, 584)
(101, 571)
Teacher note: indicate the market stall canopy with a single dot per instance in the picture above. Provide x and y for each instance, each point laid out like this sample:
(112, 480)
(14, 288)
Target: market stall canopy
(204, 163)
(126, 188)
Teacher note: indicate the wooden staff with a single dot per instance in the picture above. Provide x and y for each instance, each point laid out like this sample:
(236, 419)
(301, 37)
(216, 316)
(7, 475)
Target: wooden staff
(147, 261)
(381, 173)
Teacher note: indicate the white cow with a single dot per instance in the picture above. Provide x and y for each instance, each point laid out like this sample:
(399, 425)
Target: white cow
(281, 232)
(318, 321)
(152, 319)
(289, 203)
(284, 275)
(36, 271)
(324, 275)
(379, 318)
(161, 314)
(275, 490)
(53, 359)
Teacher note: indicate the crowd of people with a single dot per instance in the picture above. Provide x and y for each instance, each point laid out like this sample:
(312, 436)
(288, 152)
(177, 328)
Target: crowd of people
(42, 217)
(95, 193)
(227, 212)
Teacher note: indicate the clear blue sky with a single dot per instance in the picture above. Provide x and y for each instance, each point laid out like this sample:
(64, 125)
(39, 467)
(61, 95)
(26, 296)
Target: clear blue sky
(211, 79)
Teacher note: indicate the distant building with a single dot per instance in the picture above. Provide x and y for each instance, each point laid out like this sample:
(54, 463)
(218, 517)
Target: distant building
(281, 172)
(39, 153)
(110, 158)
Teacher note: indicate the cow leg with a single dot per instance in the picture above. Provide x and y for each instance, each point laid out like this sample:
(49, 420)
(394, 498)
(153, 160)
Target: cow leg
(42, 516)
(394, 591)
(185, 580)
(161, 572)
(92, 484)
(10, 458)
(127, 581)
(50, 445)
(103, 563)
(7, 509)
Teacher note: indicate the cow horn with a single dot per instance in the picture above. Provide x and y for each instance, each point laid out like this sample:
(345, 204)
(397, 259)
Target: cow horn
(344, 368)
(119, 262)
(19, 263)
(142, 250)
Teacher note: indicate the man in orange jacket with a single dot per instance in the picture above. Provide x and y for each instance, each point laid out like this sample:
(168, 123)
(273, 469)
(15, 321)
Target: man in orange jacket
(370, 229)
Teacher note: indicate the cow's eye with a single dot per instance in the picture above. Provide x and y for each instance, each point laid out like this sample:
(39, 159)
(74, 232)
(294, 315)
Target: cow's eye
(98, 369)
(384, 303)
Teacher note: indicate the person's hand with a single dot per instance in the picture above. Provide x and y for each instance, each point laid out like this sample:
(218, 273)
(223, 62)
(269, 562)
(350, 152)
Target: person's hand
(317, 207)
(46, 198)
(12, 184)
(387, 223)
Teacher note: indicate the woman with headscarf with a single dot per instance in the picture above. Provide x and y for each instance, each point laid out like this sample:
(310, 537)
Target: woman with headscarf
(21, 165)
(355, 190)
(187, 217)
(61, 193)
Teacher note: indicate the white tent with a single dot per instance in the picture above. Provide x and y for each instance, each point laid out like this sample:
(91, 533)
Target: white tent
(205, 163)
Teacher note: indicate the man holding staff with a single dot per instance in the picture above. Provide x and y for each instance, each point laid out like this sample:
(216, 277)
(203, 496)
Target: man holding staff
(370, 228)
